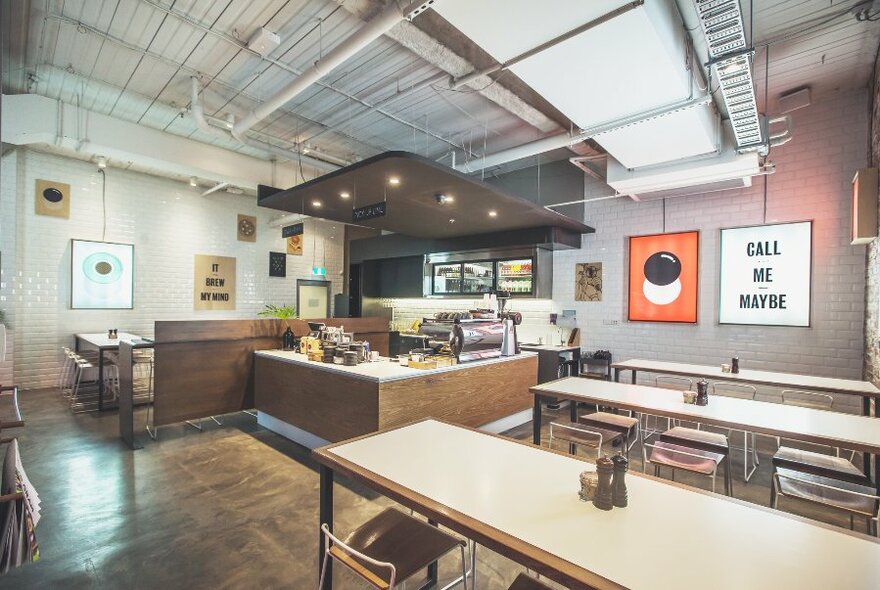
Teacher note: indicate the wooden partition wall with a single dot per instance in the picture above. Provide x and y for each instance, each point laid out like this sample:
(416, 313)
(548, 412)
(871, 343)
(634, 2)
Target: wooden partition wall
(206, 368)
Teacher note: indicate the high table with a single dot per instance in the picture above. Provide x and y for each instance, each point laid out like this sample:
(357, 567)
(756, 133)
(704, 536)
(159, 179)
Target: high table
(101, 343)
(521, 501)
(860, 433)
(868, 391)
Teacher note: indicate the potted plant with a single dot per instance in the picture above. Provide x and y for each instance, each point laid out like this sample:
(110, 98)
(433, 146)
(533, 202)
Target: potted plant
(284, 312)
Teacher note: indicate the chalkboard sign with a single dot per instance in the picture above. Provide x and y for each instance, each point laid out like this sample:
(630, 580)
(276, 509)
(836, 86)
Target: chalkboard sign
(292, 230)
(368, 212)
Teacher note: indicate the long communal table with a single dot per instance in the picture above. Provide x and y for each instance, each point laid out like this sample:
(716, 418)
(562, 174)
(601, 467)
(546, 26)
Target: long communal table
(102, 343)
(521, 501)
(864, 389)
(860, 433)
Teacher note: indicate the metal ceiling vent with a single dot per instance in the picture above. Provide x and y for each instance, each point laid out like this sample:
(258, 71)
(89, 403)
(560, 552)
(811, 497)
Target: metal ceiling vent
(731, 59)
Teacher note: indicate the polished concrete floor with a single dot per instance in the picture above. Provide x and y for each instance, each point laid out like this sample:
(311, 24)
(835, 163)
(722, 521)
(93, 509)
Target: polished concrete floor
(233, 506)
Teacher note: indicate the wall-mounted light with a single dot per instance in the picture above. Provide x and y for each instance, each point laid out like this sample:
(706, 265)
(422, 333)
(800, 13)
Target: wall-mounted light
(102, 161)
(319, 271)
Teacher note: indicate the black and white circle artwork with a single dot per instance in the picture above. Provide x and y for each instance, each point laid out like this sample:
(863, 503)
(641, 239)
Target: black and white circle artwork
(662, 285)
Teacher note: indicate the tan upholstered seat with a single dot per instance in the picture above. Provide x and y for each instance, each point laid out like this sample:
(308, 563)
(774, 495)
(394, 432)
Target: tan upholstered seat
(616, 422)
(709, 439)
(588, 436)
(818, 464)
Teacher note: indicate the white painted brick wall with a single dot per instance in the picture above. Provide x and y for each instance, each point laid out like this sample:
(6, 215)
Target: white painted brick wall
(812, 181)
(8, 195)
(168, 222)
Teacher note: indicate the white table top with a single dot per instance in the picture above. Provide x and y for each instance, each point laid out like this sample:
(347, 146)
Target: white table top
(100, 340)
(827, 384)
(669, 537)
(382, 370)
(820, 426)
(551, 347)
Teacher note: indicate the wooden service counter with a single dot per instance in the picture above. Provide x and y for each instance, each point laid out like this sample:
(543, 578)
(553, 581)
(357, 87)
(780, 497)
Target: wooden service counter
(313, 403)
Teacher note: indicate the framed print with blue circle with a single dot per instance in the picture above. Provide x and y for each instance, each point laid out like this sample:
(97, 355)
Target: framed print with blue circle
(101, 275)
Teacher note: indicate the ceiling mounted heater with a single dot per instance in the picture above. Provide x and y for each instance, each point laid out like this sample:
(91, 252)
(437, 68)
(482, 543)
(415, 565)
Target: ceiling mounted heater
(731, 61)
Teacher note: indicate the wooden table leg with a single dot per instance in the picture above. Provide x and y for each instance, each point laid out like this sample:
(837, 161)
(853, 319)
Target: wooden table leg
(536, 421)
(326, 517)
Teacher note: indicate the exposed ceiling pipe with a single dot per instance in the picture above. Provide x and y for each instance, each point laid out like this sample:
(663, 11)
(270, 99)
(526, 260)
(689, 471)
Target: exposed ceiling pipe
(564, 140)
(198, 115)
(375, 28)
(455, 83)
(215, 188)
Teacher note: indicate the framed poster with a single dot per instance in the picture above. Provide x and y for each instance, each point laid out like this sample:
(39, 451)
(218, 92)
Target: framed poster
(664, 277)
(101, 275)
(214, 283)
(277, 264)
(588, 281)
(295, 245)
(52, 198)
(766, 274)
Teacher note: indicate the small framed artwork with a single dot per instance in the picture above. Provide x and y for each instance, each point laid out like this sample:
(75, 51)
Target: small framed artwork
(101, 275)
(247, 228)
(277, 264)
(664, 277)
(52, 198)
(588, 281)
(295, 245)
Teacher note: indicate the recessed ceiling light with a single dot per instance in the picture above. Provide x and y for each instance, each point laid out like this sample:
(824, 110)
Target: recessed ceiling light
(393, 180)
(443, 199)
(344, 195)
(493, 213)
(451, 220)
(316, 203)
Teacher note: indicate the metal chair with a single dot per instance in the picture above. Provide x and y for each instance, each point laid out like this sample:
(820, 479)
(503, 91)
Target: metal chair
(684, 458)
(666, 382)
(577, 435)
(702, 440)
(741, 391)
(627, 426)
(853, 499)
(526, 582)
(390, 548)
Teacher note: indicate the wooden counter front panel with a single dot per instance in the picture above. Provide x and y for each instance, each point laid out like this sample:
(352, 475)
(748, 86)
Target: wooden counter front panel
(330, 405)
(470, 397)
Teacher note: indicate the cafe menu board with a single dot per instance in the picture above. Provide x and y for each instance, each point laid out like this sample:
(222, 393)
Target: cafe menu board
(214, 283)
(765, 274)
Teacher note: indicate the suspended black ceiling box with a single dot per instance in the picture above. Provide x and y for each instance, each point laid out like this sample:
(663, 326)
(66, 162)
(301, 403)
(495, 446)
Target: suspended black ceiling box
(412, 206)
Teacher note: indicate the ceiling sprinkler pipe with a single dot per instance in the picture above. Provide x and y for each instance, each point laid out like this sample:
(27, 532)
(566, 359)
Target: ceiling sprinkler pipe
(371, 31)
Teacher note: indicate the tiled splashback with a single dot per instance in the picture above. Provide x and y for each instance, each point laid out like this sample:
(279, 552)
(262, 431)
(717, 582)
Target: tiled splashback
(535, 312)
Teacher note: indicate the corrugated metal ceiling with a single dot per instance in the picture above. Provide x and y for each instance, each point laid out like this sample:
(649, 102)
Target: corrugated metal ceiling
(133, 59)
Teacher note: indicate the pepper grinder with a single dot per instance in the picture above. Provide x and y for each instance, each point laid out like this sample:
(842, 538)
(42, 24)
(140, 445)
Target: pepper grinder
(702, 393)
(734, 365)
(604, 499)
(618, 483)
(287, 339)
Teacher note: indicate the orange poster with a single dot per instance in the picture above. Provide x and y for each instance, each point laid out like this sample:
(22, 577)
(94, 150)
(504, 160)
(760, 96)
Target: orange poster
(663, 277)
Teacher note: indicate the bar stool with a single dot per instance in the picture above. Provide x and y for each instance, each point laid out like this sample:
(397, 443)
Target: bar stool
(389, 549)
(624, 425)
(526, 582)
(576, 435)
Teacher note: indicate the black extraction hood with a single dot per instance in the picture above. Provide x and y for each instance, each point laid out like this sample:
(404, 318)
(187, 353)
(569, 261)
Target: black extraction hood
(414, 205)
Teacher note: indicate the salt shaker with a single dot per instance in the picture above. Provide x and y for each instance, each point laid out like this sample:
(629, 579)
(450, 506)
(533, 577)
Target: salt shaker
(618, 482)
(604, 499)
(702, 392)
